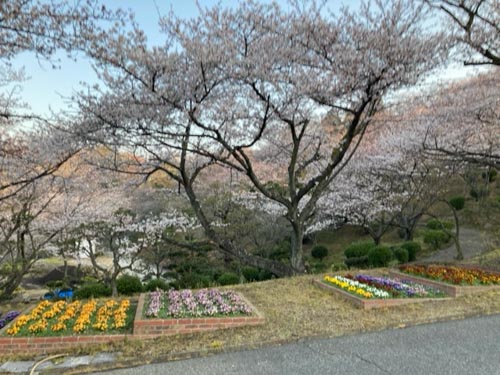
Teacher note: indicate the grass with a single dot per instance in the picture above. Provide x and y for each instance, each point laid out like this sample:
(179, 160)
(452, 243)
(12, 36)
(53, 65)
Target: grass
(295, 309)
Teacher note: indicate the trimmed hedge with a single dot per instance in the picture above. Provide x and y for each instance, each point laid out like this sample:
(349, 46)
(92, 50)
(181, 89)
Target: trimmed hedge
(436, 224)
(358, 262)
(380, 256)
(319, 252)
(93, 289)
(129, 285)
(155, 284)
(228, 278)
(358, 249)
(413, 249)
(436, 238)
(401, 254)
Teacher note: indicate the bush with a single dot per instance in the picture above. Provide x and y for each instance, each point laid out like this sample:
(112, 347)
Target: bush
(319, 252)
(436, 238)
(358, 262)
(339, 267)
(250, 273)
(228, 278)
(265, 275)
(478, 193)
(489, 176)
(379, 256)
(413, 249)
(95, 290)
(401, 254)
(436, 224)
(457, 202)
(128, 285)
(358, 249)
(317, 267)
(193, 280)
(155, 284)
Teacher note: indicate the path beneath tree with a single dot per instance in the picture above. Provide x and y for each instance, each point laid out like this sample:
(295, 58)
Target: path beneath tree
(473, 241)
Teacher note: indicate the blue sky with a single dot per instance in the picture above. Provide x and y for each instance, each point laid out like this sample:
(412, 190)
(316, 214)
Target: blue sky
(48, 88)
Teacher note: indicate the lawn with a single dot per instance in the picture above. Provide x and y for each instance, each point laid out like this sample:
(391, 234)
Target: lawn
(294, 308)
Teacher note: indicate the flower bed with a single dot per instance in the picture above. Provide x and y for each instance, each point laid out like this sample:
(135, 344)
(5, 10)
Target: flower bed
(454, 281)
(174, 312)
(10, 316)
(205, 302)
(453, 275)
(62, 318)
(369, 292)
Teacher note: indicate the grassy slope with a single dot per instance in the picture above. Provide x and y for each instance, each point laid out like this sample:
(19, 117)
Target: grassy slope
(296, 309)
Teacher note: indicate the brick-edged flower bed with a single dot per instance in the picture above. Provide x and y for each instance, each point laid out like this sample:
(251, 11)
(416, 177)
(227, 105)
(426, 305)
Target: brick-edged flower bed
(179, 312)
(454, 281)
(369, 292)
(99, 331)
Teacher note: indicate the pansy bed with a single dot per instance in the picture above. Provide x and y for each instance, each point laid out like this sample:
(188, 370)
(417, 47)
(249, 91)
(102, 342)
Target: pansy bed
(453, 280)
(64, 318)
(368, 292)
(187, 311)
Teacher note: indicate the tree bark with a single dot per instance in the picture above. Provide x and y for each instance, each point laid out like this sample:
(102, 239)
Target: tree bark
(297, 251)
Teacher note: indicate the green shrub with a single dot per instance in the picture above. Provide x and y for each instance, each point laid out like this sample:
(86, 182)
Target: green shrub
(436, 224)
(250, 273)
(358, 249)
(358, 262)
(339, 267)
(319, 252)
(401, 254)
(457, 202)
(265, 275)
(490, 175)
(478, 193)
(280, 251)
(379, 256)
(228, 278)
(192, 281)
(155, 284)
(129, 285)
(318, 267)
(93, 289)
(413, 249)
(435, 238)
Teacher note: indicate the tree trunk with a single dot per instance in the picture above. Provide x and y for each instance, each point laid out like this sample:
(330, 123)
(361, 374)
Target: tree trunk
(228, 249)
(114, 289)
(297, 251)
(12, 283)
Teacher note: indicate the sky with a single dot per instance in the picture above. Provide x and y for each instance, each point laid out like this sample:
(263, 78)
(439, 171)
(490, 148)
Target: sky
(49, 89)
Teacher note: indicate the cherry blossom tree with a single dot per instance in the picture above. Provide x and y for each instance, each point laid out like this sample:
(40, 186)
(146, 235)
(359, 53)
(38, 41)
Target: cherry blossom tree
(475, 26)
(27, 225)
(41, 28)
(462, 121)
(232, 81)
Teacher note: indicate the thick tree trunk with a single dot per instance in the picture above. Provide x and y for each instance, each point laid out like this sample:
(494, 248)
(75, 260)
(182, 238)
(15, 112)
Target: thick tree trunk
(114, 289)
(227, 248)
(11, 285)
(297, 251)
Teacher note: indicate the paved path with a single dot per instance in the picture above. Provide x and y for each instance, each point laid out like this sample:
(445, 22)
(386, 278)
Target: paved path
(470, 346)
(472, 241)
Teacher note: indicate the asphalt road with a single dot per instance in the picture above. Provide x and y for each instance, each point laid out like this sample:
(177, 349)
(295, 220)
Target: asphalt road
(470, 346)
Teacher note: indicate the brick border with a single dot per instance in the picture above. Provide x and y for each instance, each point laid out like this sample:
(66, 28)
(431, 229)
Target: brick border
(375, 303)
(167, 327)
(450, 289)
(143, 329)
